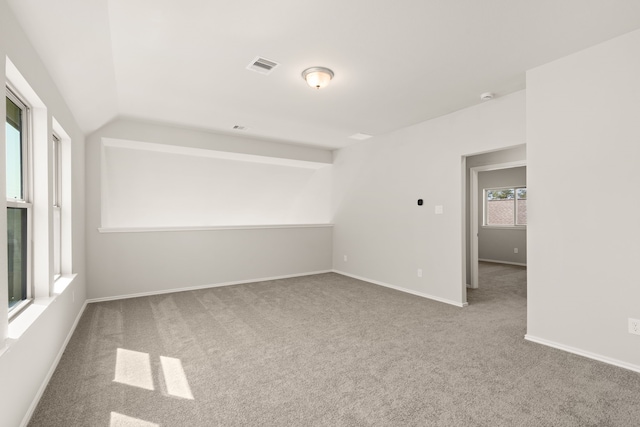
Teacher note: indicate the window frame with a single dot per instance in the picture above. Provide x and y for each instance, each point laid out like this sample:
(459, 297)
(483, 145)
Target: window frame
(24, 202)
(56, 176)
(515, 225)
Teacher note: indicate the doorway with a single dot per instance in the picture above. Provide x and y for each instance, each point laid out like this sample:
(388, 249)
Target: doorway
(497, 220)
(505, 158)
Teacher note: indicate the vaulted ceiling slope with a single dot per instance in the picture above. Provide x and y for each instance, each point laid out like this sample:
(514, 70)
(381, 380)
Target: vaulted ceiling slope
(396, 62)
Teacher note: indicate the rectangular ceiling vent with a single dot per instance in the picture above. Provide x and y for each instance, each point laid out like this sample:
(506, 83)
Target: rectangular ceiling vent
(262, 65)
(360, 136)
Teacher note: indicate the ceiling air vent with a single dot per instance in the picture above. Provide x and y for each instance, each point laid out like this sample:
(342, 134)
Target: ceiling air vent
(360, 136)
(262, 65)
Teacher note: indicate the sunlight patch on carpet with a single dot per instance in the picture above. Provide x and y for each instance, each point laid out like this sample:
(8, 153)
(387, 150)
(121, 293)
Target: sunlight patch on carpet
(133, 368)
(120, 420)
(174, 378)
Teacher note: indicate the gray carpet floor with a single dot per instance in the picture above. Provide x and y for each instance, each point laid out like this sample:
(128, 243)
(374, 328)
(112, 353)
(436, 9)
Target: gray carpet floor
(327, 350)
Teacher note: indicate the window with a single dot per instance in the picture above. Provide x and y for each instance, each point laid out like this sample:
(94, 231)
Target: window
(505, 207)
(18, 205)
(57, 213)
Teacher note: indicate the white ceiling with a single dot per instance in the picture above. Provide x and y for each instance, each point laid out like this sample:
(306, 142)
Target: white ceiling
(396, 63)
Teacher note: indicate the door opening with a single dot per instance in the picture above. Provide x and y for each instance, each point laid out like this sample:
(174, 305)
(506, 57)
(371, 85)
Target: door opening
(476, 208)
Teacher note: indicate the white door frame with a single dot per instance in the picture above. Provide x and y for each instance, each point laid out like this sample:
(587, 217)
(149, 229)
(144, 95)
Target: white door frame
(474, 202)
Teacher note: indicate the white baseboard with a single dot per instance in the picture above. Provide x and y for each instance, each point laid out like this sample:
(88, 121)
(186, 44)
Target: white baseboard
(495, 261)
(54, 365)
(584, 353)
(195, 288)
(398, 288)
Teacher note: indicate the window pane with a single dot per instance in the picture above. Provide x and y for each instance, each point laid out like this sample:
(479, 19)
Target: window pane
(522, 193)
(57, 249)
(14, 114)
(522, 206)
(522, 212)
(500, 194)
(14, 150)
(56, 171)
(500, 212)
(17, 254)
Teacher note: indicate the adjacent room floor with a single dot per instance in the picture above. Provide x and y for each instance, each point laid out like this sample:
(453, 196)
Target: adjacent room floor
(327, 350)
(495, 280)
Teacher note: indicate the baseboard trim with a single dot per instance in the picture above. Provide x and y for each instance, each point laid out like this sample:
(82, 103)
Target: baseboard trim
(195, 288)
(405, 290)
(584, 353)
(495, 261)
(54, 365)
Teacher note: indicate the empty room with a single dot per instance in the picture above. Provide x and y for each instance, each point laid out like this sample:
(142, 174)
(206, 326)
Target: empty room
(298, 214)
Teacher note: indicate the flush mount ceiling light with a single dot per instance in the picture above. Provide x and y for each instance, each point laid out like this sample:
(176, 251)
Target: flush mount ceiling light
(317, 77)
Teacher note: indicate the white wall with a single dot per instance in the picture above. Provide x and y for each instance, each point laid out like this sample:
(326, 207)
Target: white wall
(30, 353)
(497, 244)
(378, 224)
(146, 186)
(138, 263)
(135, 263)
(583, 136)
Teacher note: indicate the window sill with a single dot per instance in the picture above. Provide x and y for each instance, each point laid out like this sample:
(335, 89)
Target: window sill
(22, 305)
(27, 317)
(61, 282)
(23, 320)
(504, 227)
(206, 228)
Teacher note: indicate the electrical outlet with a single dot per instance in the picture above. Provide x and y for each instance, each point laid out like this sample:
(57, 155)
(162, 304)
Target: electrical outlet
(345, 258)
(515, 250)
(634, 326)
(419, 272)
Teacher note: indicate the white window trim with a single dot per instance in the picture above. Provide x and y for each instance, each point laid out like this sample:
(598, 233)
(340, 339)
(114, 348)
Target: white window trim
(64, 199)
(515, 226)
(12, 94)
(27, 190)
(57, 163)
(505, 227)
(56, 177)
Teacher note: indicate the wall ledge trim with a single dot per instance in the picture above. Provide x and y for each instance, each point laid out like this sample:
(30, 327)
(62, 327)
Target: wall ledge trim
(583, 353)
(206, 228)
(495, 261)
(401, 289)
(212, 153)
(196, 288)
